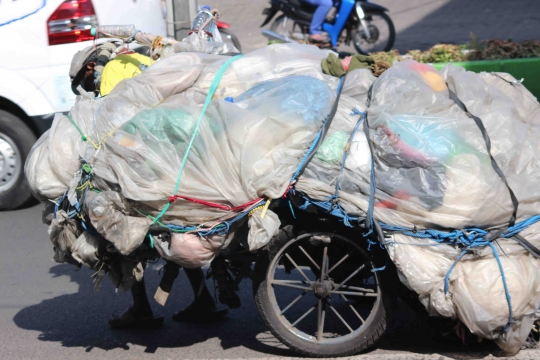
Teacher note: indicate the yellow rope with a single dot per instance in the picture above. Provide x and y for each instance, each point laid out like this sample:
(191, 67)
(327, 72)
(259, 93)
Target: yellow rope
(255, 209)
(83, 186)
(266, 207)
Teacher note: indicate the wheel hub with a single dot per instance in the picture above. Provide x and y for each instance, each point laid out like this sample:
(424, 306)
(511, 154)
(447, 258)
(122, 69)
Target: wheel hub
(10, 163)
(373, 33)
(322, 289)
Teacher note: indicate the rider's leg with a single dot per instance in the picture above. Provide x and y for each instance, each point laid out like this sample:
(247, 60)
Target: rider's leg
(323, 7)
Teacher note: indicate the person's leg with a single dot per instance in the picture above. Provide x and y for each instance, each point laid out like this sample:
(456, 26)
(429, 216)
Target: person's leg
(203, 308)
(140, 314)
(323, 7)
(141, 305)
(201, 294)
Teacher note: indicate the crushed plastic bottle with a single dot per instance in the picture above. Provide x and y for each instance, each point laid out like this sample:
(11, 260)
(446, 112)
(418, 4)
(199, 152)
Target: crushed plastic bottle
(204, 22)
(114, 31)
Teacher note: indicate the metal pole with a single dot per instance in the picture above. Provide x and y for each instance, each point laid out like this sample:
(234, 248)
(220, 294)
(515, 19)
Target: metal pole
(180, 14)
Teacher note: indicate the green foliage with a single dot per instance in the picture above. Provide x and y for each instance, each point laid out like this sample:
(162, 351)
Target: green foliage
(439, 53)
(494, 49)
(386, 56)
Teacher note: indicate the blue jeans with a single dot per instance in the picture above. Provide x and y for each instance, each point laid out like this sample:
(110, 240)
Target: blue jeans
(323, 6)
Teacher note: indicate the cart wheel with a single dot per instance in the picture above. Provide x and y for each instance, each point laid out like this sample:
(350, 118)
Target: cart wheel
(321, 297)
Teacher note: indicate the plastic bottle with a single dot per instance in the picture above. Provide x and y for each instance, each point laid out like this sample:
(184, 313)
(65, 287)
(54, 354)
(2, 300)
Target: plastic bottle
(114, 31)
(202, 18)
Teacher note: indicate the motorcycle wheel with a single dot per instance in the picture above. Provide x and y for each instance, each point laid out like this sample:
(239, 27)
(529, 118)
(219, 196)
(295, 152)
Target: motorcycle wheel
(229, 38)
(379, 25)
(285, 26)
(322, 298)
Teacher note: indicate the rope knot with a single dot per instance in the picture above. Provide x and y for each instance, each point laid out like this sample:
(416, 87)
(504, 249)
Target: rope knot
(355, 111)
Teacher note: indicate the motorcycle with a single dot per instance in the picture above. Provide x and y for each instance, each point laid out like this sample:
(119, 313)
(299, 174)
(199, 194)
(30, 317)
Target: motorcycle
(227, 36)
(361, 22)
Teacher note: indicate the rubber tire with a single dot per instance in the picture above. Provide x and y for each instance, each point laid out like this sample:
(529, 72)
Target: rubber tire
(19, 194)
(391, 38)
(278, 22)
(234, 39)
(353, 346)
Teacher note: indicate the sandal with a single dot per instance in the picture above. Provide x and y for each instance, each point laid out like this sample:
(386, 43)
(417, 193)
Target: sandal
(318, 38)
(198, 314)
(130, 320)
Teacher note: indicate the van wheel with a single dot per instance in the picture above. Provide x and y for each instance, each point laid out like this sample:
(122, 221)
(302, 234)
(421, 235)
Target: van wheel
(16, 140)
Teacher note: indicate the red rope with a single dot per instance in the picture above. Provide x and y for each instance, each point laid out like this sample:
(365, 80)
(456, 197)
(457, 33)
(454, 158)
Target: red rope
(214, 205)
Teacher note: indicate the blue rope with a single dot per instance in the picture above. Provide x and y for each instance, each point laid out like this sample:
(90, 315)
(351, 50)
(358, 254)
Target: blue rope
(316, 140)
(469, 238)
(517, 228)
(25, 16)
(217, 230)
(306, 156)
(333, 209)
(447, 277)
(506, 291)
(57, 204)
(340, 85)
(291, 207)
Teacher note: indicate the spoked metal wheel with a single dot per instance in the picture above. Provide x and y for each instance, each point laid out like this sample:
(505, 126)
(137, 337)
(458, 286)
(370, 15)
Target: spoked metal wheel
(379, 35)
(321, 298)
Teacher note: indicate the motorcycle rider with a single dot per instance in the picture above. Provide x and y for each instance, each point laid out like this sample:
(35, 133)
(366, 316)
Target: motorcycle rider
(323, 7)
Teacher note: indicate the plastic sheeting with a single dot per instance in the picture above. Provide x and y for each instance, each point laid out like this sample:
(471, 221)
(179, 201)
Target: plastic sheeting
(136, 138)
(191, 250)
(430, 160)
(86, 248)
(432, 170)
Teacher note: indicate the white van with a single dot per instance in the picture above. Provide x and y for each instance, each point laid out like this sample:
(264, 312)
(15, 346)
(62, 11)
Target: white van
(38, 39)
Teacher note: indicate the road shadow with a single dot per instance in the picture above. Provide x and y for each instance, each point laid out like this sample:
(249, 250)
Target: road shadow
(80, 319)
(416, 332)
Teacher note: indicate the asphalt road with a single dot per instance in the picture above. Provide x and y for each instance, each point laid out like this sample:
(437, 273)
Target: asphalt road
(51, 311)
(419, 24)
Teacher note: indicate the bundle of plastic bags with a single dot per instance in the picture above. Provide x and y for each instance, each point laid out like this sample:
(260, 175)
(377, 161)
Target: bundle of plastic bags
(432, 170)
(399, 140)
(119, 158)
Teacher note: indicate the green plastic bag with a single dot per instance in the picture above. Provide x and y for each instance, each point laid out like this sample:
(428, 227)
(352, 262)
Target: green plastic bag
(332, 148)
